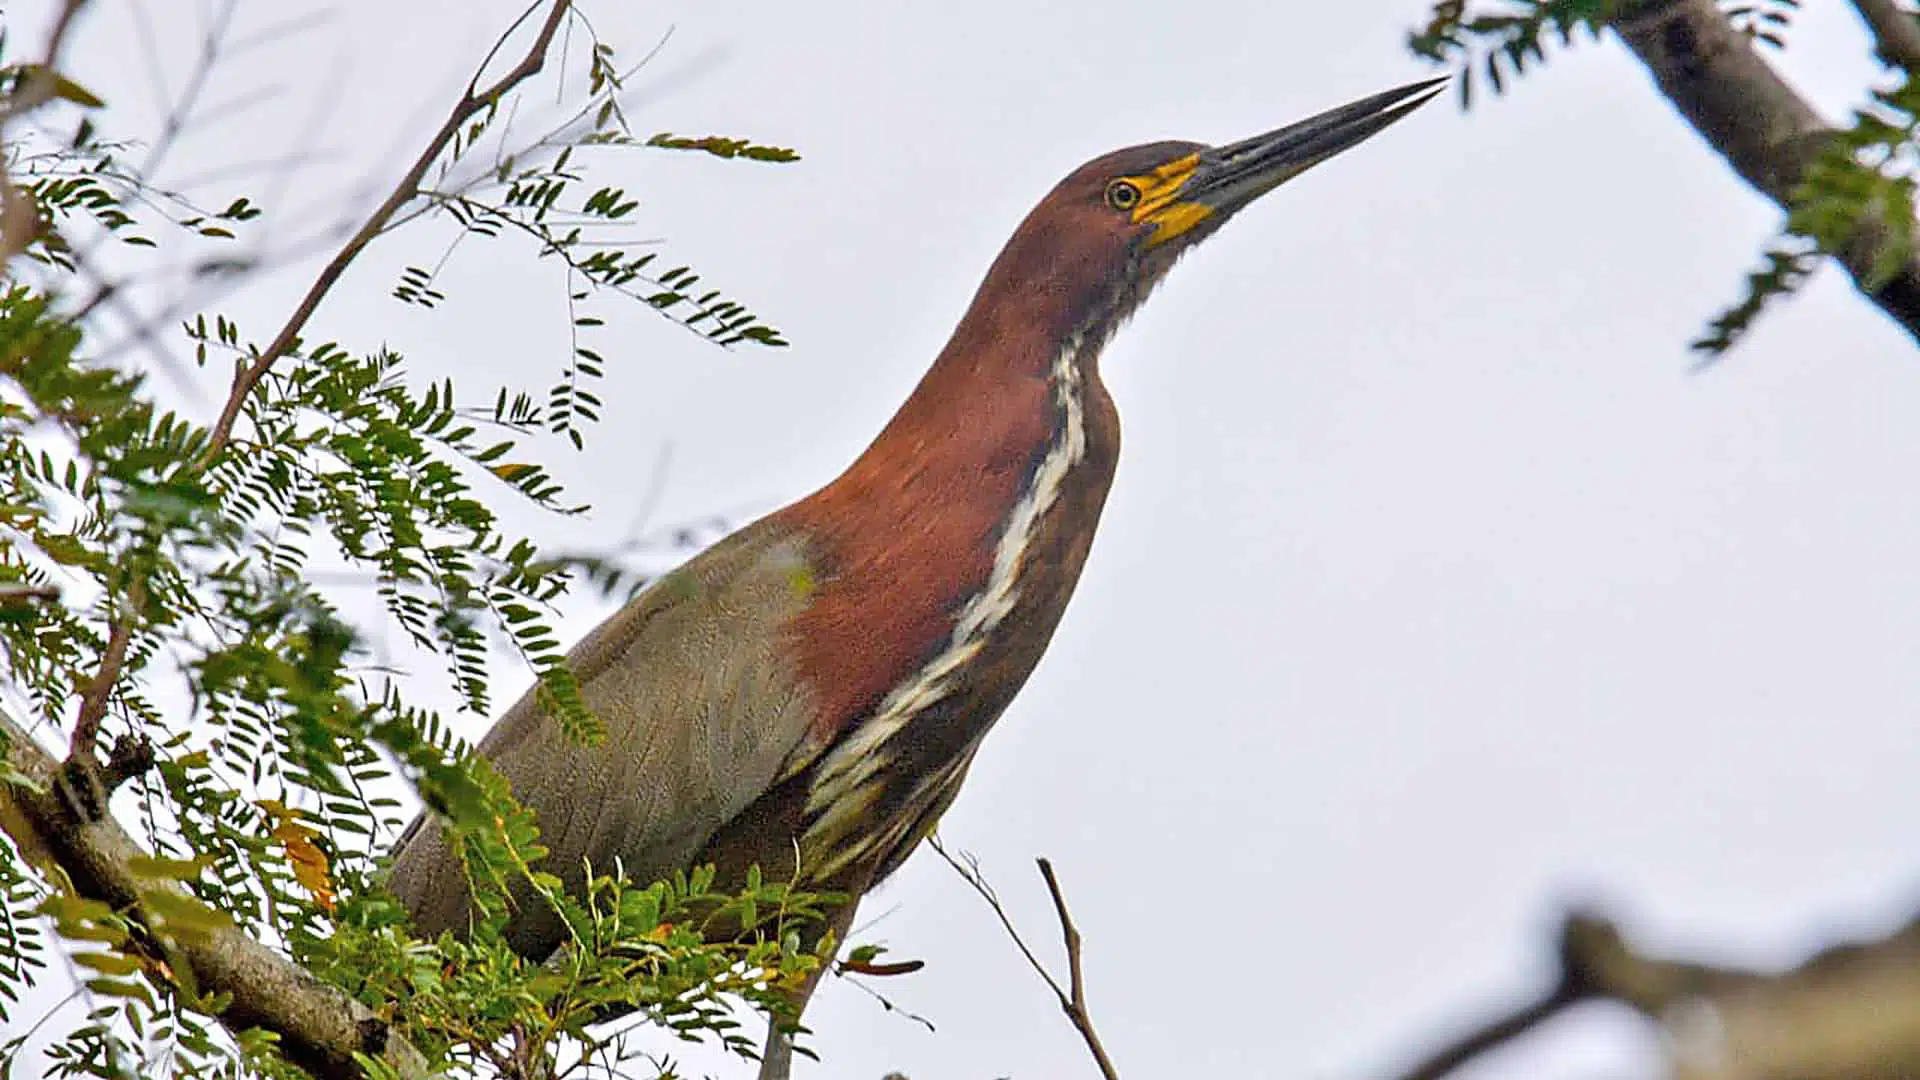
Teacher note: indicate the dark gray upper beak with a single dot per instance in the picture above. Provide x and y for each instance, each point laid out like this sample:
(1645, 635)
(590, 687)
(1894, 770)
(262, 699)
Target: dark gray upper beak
(1229, 177)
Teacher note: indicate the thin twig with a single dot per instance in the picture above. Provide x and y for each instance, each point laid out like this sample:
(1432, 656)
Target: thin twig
(970, 873)
(472, 101)
(1896, 31)
(14, 594)
(1072, 998)
(887, 1004)
(93, 701)
(1076, 1005)
(182, 107)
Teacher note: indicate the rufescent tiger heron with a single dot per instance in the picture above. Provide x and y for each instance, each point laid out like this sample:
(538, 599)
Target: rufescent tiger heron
(808, 693)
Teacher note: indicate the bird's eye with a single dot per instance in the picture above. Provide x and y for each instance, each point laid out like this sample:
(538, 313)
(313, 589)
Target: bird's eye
(1123, 195)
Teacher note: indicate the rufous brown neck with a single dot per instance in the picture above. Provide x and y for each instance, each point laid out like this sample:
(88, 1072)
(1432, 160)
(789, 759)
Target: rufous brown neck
(912, 531)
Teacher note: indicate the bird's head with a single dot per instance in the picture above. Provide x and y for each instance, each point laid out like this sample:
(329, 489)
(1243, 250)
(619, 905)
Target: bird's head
(1100, 241)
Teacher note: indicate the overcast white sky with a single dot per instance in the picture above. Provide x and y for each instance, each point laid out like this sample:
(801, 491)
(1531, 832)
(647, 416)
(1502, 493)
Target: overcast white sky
(1435, 590)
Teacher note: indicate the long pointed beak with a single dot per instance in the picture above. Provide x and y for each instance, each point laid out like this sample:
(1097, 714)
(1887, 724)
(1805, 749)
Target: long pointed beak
(1229, 177)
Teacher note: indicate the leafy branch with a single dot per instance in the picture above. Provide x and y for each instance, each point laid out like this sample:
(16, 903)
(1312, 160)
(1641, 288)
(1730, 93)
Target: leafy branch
(473, 101)
(1846, 192)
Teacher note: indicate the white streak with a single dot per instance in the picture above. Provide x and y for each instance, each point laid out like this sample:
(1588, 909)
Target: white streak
(847, 777)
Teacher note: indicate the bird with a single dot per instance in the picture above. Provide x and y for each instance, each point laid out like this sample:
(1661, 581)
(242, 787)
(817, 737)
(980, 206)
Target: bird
(807, 694)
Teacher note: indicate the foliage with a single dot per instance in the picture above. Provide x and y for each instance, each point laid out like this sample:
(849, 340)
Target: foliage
(1859, 184)
(157, 582)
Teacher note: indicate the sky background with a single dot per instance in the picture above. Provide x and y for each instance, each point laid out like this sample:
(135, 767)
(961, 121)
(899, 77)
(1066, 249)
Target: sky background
(1436, 591)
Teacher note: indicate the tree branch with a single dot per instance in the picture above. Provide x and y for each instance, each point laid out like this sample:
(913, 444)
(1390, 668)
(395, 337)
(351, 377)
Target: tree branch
(472, 102)
(1896, 32)
(1763, 128)
(1489, 1036)
(1072, 998)
(93, 700)
(319, 1026)
(19, 594)
(1851, 1012)
(1076, 1004)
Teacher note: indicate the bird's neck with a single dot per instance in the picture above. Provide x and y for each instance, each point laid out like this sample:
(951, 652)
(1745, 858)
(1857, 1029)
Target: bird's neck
(1009, 388)
(952, 546)
(928, 542)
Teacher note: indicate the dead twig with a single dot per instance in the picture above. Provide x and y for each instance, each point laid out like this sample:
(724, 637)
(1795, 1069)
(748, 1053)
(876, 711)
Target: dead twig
(474, 100)
(1075, 1003)
(1072, 997)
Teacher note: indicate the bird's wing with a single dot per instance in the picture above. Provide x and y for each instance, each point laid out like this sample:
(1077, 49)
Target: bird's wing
(702, 711)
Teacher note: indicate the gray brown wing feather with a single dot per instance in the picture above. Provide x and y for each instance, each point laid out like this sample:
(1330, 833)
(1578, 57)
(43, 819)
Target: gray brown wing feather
(702, 716)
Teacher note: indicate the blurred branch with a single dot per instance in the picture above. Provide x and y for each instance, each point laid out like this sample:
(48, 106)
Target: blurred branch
(17, 594)
(1490, 1036)
(474, 100)
(319, 1027)
(19, 217)
(1712, 74)
(1896, 32)
(1851, 1012)
(1072, 998)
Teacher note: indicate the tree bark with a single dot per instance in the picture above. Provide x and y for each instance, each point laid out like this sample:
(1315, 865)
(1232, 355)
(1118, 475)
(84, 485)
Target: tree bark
(1765, 130)
(320, 1027)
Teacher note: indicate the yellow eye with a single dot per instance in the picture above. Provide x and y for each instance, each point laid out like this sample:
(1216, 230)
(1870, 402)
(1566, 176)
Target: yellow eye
(1123, 195)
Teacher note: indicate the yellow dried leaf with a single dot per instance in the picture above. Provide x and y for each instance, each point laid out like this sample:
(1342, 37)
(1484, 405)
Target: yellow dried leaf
(309, 863)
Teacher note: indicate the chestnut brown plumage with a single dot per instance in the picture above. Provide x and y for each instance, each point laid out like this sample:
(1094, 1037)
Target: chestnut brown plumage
(807, 694)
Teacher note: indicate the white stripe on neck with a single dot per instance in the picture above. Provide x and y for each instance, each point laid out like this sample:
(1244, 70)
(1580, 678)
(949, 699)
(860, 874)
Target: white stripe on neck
(846, 785)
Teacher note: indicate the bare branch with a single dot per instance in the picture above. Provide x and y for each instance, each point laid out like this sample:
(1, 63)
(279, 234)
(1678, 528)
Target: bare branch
(1896, 32)
(472, 102)
(1765, 130)
(1806, 1021)
(1574, 985)
(93, 700)
(969, 871)
(1073, 999)
(1489, 1036)
(320, 1027)
(1076, 1005)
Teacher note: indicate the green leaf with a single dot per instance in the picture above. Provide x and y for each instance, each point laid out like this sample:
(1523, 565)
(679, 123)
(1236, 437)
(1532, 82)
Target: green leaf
(148, 866)
(108, 963)
(183, 913)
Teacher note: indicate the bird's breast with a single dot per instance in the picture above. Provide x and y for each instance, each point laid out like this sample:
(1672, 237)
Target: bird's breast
(927, 625)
